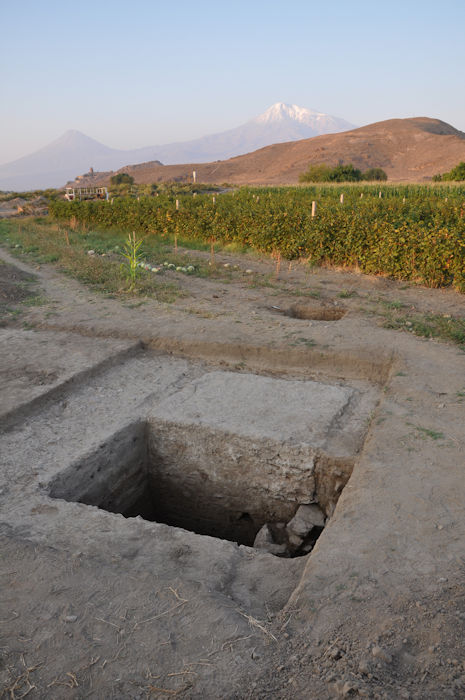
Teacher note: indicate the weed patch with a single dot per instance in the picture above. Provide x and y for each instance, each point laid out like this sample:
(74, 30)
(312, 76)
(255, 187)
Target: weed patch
(443, 328)
(45, 243)
(433, 434)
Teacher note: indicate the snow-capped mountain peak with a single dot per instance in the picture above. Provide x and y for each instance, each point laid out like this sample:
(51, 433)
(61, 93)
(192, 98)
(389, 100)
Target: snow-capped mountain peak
(319, 122)
(281, 111)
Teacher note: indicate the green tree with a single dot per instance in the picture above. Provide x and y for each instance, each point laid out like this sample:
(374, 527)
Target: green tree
(457, 174)
(345, 173)
(373, 174)
(316, 173)
(122, 179)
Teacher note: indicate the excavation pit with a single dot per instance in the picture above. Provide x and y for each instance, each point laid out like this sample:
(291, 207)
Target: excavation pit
(225, 456)
(205, 481)
(309, 312)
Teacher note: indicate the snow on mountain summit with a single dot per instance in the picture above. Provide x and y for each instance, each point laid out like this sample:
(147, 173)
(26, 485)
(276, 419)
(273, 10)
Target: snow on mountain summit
(319, 122)
(280, 111)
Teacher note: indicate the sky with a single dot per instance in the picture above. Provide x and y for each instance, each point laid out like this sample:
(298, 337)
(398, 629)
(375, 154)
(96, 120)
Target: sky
(148, 72)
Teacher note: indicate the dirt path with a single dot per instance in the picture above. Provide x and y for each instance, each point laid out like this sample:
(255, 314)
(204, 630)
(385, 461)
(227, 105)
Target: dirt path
(95, 606)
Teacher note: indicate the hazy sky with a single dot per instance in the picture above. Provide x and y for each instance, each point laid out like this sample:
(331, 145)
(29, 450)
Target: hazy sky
(147, 72)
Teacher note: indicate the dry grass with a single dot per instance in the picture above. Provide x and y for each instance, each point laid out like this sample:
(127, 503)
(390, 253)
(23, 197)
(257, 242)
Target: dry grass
(21, 686)
(68, 251)
(253, 622)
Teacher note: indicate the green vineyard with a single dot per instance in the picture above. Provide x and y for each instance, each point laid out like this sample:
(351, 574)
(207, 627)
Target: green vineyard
(407, 232)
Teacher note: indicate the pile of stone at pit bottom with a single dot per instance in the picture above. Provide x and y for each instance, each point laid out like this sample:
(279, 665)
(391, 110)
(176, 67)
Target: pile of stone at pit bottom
(294, 539)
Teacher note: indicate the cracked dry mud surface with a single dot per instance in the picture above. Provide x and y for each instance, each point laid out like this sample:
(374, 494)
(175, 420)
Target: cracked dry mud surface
(96, 605)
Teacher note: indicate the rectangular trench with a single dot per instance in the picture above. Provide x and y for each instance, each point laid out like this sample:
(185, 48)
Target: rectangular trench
(202, 479)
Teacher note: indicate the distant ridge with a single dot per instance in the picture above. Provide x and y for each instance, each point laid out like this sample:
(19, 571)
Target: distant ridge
(411, 150)
(74, 152)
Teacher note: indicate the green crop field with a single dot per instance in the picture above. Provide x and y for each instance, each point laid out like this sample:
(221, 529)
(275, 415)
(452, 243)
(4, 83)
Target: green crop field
(407, 232)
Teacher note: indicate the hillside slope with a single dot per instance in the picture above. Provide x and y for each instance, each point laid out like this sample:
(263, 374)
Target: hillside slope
(407, 149)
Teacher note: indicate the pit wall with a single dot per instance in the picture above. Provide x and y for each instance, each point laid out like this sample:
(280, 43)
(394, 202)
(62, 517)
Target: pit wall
(309, 362)
(110, 477)
(203, 480)
(210, 482)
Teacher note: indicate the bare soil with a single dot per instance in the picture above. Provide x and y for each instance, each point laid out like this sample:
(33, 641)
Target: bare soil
(377, 610)
(15, 287)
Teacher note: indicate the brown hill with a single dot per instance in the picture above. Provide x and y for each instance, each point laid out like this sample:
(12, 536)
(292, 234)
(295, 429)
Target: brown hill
(407, 149)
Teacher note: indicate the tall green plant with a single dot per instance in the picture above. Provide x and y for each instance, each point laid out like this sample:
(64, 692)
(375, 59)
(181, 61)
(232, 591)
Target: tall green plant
(131, 252)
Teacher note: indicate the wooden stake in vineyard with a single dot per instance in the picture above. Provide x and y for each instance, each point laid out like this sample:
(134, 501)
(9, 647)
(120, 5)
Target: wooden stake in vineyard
(313, 209)
(212, 251)
(176, 231)
(177, 205)
(277, 255)
(341, 198)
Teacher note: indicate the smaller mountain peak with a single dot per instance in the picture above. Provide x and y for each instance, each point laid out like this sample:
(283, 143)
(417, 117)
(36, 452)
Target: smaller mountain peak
(71, 137)
(75, 139)
(72, 134)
